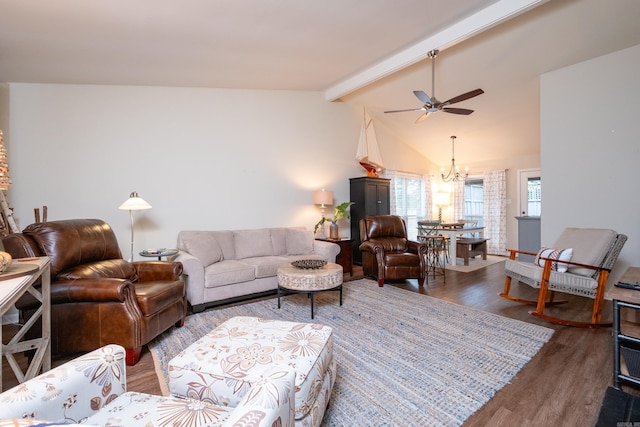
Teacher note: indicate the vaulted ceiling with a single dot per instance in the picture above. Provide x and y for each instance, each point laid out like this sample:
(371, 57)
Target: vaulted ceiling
(370, 54)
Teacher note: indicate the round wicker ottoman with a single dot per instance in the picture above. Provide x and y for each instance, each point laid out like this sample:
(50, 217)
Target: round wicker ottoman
(309, 281)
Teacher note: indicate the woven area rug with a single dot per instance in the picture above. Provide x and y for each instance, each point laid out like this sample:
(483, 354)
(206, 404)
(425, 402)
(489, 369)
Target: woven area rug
(404, 359)
(475, 263)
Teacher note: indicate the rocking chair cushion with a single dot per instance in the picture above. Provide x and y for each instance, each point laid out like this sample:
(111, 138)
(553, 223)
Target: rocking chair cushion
(555, 254)
(531, 274)
(590, 247)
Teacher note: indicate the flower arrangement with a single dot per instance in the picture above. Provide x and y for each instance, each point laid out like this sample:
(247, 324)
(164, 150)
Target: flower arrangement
(339, 213)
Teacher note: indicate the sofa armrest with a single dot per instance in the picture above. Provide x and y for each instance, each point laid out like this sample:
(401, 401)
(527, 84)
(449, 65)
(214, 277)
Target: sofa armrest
(371, 246)
(414, 247)
(269, 402)
(150, 271)
(191, 265)
(69, 392)
(82, 290)
(327, 250)
(193, 269)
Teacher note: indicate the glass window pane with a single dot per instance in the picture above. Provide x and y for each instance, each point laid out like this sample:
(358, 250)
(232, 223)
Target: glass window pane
(534, 197)
(473, 200)
(410, 203)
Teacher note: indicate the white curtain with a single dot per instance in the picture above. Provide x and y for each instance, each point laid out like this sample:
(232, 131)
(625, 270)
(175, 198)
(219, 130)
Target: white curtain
(457, 187)
(392, 175)
(427, 197)
(495, 211)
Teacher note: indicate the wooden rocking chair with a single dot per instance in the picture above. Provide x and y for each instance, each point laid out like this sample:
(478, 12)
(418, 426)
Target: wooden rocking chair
(595, 252)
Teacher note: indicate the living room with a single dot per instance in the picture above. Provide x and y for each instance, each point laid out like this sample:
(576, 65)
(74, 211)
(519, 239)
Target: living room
(181, 148)
(230, 158)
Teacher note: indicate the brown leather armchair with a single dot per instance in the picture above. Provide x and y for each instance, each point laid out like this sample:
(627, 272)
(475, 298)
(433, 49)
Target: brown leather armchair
(386, 252)
(98, 298)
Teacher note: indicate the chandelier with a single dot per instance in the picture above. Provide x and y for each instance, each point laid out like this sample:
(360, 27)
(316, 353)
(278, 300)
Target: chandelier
(454, 173)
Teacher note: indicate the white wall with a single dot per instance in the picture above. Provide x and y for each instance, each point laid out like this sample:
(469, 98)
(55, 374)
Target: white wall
(4, 107)
(204, 158)
(590, 152)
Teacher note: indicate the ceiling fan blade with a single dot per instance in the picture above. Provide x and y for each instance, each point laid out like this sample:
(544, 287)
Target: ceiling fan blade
(464, 97)
(462, 111)
(422, 97)
(403, 111)
(422, 117)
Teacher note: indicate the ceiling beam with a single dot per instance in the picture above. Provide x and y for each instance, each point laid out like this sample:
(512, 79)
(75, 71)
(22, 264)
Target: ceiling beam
(488, 17)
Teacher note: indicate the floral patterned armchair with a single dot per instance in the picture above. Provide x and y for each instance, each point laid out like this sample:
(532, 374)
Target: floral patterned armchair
(91, 390)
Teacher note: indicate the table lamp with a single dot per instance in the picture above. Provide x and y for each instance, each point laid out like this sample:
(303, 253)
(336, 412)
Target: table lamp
(441, 200)
(134, 203)
(322, 198)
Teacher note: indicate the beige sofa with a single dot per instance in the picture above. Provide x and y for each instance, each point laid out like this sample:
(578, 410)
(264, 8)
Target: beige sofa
(226, 265)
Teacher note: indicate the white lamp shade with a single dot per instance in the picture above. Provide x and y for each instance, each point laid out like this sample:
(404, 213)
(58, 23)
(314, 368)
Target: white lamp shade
(323, 197)
(134, 203)
(441, 199)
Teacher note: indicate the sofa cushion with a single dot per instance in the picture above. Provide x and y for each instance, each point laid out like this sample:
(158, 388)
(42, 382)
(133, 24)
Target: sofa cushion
(227, 242)
(252, 243)
(204, 246)
(299, 241)
(266, 266)
(228, 272)
(279, 240)
(112, 268)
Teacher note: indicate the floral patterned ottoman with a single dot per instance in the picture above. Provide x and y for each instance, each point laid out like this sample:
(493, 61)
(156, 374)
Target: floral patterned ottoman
(221, 366)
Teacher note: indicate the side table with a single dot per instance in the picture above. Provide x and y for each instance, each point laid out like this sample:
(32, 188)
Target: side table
(10, 291)
(629, 298)
(160, 252)
(345, 257)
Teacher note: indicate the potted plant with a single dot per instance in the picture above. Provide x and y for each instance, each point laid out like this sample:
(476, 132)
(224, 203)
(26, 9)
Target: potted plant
(339, 213)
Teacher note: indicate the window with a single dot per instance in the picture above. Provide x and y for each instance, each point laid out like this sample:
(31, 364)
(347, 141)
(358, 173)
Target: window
(473, 200)
(534, 196)
(409, 193)
(530, 192)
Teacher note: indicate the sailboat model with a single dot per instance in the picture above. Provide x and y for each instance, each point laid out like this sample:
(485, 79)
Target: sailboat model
(368, 154)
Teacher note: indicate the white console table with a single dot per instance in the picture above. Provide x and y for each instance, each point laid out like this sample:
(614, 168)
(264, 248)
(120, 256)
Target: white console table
(10, 291)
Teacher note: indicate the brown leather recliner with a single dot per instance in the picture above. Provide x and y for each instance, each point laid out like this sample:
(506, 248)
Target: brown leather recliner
(386, 252)
(98, 298)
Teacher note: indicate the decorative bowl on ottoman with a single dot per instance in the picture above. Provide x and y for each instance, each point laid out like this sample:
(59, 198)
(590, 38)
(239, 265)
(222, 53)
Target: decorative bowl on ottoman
(309, 263)
(222, 366)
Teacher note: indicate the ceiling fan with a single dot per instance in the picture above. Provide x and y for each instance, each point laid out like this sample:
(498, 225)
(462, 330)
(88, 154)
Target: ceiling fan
(431, 104)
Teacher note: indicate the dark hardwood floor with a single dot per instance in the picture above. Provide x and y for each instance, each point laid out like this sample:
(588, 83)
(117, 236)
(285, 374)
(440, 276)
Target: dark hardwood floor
(562, 385)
